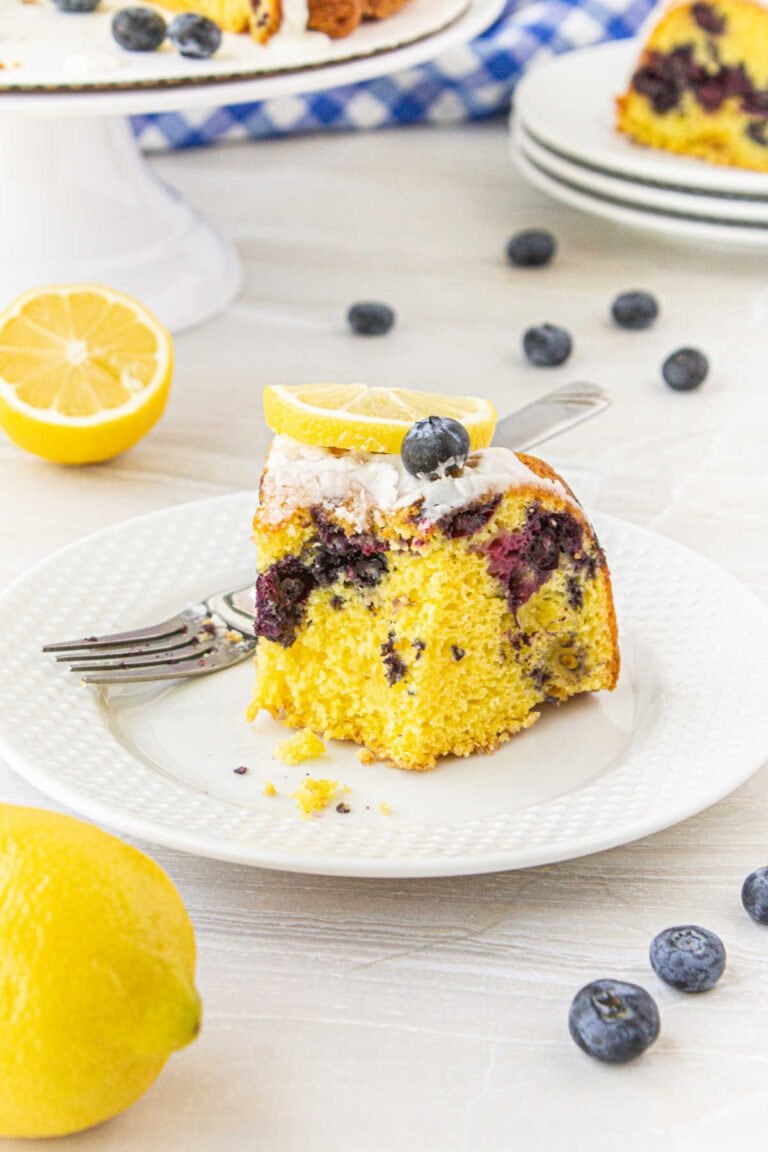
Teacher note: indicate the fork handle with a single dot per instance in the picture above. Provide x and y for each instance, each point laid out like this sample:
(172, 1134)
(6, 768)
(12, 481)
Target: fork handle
(550, 415)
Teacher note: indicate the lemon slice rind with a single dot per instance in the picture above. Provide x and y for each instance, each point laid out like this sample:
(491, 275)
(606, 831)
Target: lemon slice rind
(368, 419)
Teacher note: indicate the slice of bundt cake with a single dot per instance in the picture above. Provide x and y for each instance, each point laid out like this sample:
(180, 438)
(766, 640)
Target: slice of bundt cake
(701, 85)
(264, 18)
(424, 614)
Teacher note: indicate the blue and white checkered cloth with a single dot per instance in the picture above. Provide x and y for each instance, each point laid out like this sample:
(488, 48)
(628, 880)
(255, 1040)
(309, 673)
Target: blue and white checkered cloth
(465, 83)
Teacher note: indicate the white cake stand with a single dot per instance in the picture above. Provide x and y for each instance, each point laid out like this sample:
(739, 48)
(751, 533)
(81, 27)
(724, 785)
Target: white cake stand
(78, 201)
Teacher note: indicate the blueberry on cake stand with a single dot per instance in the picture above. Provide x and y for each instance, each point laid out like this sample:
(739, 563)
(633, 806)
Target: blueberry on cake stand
(78, 201)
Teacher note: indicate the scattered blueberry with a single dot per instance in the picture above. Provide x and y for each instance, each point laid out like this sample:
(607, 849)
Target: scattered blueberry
(613, 1021)
(77, 5)
(194, 35)
(547, 345)
(754, 895)
(370, 318)
(138, 29)
(531, 248)
(691, 959)
(434, 446)
(685, 369)
(635, 310)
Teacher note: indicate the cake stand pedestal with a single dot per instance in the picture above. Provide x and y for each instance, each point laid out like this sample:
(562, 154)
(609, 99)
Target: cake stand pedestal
(79, 203)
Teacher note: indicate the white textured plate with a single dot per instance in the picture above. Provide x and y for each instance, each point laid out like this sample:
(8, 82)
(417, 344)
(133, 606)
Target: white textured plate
(42, 49)
(680, 205)
(647, 217)
(582, 129)
(686, 725)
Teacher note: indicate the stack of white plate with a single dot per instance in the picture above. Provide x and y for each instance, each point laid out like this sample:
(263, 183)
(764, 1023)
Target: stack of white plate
(565, 142)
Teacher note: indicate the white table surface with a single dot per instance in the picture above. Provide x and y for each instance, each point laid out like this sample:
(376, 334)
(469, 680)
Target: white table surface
(383, 1016)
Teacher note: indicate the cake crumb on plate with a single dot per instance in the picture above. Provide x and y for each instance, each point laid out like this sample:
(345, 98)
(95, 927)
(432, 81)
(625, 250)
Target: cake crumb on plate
(303, 745)
(312, 796)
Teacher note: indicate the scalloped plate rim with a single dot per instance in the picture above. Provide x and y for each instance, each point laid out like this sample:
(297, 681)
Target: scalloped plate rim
(216, 846)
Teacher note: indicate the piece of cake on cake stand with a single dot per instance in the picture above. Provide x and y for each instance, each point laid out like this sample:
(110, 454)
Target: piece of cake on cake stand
(78, 201)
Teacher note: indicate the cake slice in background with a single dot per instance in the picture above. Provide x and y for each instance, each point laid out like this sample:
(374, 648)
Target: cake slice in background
(701, 85)
(266, 18)
(430, 614)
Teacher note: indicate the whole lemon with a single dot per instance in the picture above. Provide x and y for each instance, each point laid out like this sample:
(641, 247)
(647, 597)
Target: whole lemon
(97, 960)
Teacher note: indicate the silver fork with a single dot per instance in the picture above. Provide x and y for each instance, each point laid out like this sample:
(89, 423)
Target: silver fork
(219, 631)
(202, 638)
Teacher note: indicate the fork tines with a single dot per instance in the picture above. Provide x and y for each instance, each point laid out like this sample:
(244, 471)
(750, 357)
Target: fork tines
(176, 646)
(202, 638)
(163, 631)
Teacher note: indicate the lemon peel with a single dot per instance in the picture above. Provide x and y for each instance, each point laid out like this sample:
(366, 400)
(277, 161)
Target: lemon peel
(363, 419)
(96, 976)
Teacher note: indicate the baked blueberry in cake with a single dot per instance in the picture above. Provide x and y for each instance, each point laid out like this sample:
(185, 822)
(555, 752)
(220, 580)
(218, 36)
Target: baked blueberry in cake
(700, 87)
(428, 613)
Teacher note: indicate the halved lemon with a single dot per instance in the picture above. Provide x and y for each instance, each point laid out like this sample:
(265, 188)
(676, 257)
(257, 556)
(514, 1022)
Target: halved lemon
(368, 419)
(84, 372)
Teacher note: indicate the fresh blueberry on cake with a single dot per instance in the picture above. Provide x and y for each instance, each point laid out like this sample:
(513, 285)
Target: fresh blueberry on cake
(700, 87)
(424, 608)
(264, 19)
(435, 447)
(138, 29)
(195, 36)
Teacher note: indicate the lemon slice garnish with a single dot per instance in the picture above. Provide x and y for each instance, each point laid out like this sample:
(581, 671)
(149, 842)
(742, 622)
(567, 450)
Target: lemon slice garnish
(364, 419)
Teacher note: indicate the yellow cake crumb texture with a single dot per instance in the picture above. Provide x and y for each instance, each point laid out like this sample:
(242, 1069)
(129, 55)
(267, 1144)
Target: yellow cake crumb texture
(230, 15)
(269, 789)
(312, 795)
(431, 660)
(384, 808)
(303, 745)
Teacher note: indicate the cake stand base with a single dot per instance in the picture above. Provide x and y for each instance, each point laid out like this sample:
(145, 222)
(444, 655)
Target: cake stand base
(79, 203)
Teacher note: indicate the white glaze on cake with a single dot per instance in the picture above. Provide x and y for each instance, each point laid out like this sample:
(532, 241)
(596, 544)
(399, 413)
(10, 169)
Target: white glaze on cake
(295, 18)
(360, 484)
